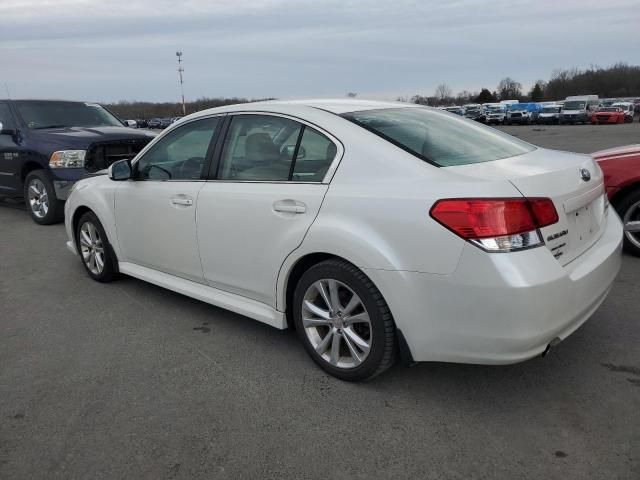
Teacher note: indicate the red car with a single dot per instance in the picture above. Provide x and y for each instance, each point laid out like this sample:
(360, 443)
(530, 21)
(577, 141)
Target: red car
(621, 167)
(608, 115)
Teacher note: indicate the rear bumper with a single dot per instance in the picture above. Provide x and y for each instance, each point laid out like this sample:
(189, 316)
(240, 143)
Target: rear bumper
(500, 308)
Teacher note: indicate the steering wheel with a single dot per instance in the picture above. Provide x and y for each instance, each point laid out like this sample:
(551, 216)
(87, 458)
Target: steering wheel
(191, 168)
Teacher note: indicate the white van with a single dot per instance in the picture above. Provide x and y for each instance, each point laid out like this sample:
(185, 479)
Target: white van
(628, 108)
(579, 108)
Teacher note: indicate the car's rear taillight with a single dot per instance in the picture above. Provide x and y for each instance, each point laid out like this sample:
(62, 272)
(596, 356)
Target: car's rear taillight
(496, 224)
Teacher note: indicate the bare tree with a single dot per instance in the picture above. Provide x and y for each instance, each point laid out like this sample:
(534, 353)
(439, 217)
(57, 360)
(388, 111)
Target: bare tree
(352, 94)
(509, 89)
(443, 93)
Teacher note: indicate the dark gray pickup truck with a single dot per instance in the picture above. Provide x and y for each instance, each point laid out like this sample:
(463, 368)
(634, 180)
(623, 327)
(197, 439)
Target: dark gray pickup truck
(46, 146)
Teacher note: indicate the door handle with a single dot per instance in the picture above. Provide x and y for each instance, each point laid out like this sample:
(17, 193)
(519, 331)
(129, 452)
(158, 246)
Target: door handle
(182, 200)
(289, 206)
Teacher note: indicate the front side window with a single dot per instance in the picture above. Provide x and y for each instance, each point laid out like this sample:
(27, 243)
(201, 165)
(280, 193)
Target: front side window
(181, 154)
(271, 148)
(39, 115)
(441, 139)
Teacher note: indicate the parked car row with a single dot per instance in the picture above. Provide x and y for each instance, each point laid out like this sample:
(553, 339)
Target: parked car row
(153, 123)
(572, 110)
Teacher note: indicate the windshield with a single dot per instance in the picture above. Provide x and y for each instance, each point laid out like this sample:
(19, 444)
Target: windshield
(46, 114)
(610, 109)
(438, 138)
(574, 105)
(550, 109)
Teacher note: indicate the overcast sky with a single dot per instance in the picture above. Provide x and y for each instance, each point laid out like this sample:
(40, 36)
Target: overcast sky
(107, 50)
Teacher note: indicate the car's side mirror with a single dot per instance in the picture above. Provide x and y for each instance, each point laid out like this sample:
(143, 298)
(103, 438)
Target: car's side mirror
(6, 131)
(120, 170)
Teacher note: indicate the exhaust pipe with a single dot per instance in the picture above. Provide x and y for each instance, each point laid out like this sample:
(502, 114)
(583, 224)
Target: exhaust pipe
(552, 343)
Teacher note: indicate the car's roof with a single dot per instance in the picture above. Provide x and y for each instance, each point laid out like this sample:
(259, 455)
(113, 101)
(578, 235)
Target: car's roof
(337, 106)
(42, 100)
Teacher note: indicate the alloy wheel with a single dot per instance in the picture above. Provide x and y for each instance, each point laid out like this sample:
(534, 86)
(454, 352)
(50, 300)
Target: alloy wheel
(336, 323)
(38, 198)
(631, 223)
(92, 248)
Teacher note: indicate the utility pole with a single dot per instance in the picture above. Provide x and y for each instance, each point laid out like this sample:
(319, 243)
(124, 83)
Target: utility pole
(180, 70)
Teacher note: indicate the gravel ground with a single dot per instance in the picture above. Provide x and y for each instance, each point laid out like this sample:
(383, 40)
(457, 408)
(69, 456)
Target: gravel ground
(127, 380)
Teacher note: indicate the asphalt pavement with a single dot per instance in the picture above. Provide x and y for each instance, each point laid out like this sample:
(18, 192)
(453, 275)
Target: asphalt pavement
(129, 381)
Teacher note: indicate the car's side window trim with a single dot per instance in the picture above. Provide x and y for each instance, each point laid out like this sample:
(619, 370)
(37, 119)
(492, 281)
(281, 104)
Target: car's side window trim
(208, 157)
(295, 153)
(214, 165)
(214, 173)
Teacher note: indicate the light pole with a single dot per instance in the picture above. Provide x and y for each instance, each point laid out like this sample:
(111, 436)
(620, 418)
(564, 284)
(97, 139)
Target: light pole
(180, 70)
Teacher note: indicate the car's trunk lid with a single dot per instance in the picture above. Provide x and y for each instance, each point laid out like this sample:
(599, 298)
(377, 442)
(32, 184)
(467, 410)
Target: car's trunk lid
(562, 177)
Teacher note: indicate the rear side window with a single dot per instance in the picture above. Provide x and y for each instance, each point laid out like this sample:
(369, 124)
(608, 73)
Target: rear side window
(440, 138)
(315, 155)
(269, 148)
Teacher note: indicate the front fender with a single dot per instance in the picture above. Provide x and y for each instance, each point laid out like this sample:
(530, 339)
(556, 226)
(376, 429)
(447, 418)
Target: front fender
(97, 194)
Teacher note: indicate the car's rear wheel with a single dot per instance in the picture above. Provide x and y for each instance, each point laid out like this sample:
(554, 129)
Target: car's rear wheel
(343, 321)
(40, 199)
(95, 251)
(628, 207)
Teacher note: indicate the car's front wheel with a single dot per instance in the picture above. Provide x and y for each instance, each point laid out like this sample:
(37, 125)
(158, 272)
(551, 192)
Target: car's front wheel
(343, 321)
(95, 251)
(40, 199)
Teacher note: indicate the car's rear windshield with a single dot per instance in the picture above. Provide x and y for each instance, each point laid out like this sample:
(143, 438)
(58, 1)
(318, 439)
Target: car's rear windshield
(54, 114)
(438, 137)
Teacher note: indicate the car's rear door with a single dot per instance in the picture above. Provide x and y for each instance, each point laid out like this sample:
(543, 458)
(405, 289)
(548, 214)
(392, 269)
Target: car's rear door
(156, 211)
(266, 192)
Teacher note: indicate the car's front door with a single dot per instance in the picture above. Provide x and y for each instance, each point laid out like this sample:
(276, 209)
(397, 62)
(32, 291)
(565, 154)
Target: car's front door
(9, 152)
(156, 211)
(270, 183)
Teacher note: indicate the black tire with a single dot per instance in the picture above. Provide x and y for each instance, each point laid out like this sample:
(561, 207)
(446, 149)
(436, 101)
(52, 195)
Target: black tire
(109, 270)
(382, 351)
(36, 202)
(630, 201)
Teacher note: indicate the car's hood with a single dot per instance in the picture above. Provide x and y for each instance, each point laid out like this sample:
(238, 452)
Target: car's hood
(82, 137)
(617, 152)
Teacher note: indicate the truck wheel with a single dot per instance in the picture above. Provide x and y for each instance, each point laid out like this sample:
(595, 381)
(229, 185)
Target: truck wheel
(40, 199)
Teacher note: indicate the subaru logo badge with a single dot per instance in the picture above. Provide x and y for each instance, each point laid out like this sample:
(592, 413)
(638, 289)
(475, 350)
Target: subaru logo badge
(585, 174)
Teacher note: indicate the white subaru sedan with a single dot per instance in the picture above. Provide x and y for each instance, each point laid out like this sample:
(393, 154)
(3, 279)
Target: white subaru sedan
(376, 230)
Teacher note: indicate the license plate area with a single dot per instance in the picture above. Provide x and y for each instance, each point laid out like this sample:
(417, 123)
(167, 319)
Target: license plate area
(585, 224)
